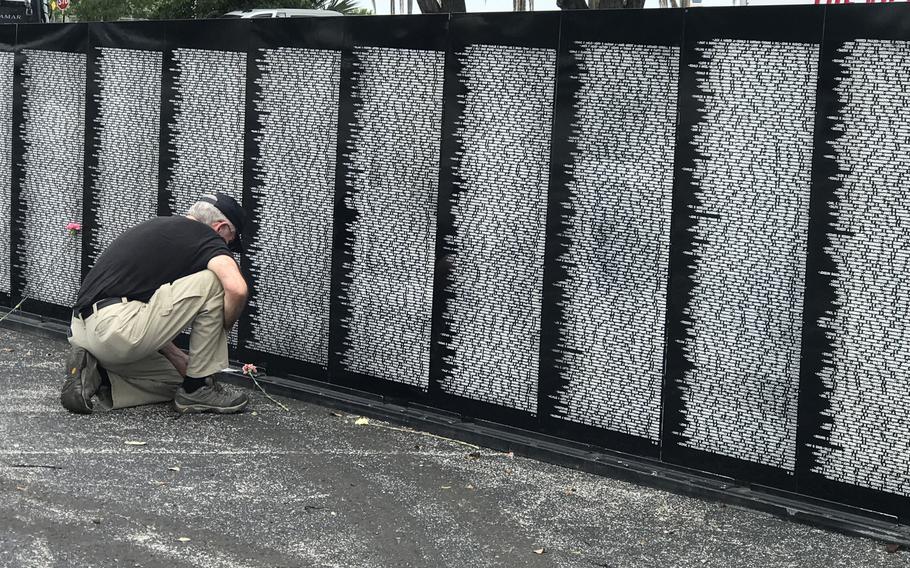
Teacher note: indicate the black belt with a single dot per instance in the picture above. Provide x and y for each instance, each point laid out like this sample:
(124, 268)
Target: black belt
(87, 311)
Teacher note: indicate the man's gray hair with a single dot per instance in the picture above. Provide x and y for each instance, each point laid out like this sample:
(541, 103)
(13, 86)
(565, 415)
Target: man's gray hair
(206, 212)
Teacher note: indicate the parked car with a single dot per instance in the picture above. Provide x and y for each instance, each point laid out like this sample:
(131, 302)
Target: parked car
(281, 13)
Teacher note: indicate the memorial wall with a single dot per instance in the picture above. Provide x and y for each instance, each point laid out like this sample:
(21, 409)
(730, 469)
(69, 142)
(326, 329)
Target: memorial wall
(678, 234)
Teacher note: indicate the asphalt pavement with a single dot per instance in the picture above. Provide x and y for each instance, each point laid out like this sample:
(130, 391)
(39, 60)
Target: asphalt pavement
(314, 487)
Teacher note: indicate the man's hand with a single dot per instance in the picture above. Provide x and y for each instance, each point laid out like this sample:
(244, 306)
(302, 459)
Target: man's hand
(178, 358)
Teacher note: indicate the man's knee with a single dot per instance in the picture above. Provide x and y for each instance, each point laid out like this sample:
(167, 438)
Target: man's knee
(211, 280)
(205, 282)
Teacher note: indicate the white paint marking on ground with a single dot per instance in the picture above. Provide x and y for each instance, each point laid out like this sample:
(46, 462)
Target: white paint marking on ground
(186, 552)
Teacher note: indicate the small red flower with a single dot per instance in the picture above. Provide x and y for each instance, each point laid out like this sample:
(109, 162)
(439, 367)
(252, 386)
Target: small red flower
(249, 369)
(73, 227)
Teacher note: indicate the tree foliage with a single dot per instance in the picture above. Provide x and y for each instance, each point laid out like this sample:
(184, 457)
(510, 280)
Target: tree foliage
(108, 10)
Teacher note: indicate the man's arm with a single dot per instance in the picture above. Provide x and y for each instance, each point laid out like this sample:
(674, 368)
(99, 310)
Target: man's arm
(178, 358)
(235, 290)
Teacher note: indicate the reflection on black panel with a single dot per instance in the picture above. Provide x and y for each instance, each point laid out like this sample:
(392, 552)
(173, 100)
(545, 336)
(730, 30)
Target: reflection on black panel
(51, 185)
(499, 211)
(293, 189)
(618, 232)
(866, 372)
(207, 126)
(127, 125)
(392, 165)
(6, 136)
(753, 144)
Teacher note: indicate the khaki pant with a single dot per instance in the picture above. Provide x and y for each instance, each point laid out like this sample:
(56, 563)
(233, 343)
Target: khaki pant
(126, 337)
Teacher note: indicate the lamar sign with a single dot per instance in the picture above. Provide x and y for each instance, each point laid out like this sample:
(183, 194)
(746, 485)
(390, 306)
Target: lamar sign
(23, 11)
(15, 14)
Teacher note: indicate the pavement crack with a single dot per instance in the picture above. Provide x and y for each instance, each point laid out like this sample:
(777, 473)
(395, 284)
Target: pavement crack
(34, 466)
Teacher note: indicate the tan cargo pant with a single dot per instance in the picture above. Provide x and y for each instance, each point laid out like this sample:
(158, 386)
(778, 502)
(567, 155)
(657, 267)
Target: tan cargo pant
(126, 337)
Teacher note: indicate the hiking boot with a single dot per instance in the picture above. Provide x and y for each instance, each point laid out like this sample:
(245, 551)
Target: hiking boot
(211, 397)
(83, 379)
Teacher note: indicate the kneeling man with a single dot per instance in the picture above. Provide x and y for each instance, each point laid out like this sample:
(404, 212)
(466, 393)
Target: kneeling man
(151, 283)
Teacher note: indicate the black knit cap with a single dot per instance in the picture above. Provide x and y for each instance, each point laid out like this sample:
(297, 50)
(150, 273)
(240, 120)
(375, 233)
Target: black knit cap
(233, 212)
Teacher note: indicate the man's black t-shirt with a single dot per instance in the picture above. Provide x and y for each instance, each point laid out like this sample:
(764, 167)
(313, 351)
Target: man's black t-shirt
(148, 255)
